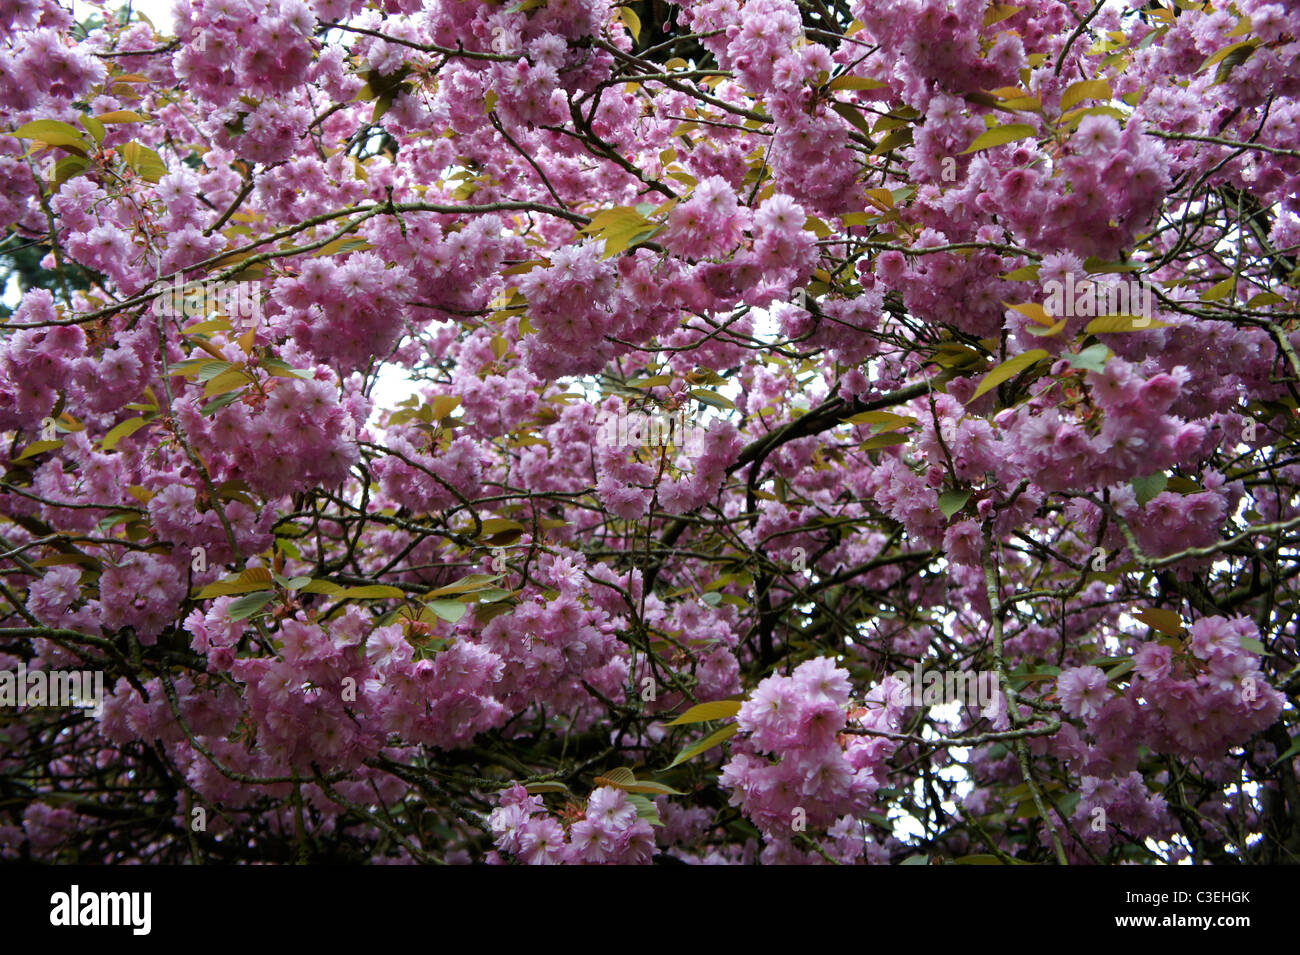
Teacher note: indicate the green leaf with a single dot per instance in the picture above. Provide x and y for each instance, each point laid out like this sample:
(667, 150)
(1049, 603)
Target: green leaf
(503, 527)
(466, 585)
(1293, 751)
(920, 859)
(855, 83)
(1123, 323)
(710, 741)
(645, 809)
(228, 380)
(38, 447)
(318, 586)
(998, 12)
(647, 786)
(1000, 136)
(886, 440)
(854, 116)
(1254, 645)
(245, 607)
(1084, 89)
(66, 168)
(712, 398)
(1038, 331)
(632, 20)
(449, 610)
(886, 419)
(94, 127)
(121, 116)
(212, 407)
(123, 430)
(623, 778)
(372, 592)
(538, 788)
(146, 163)
(1148, 487)
(1092, 358)
(52, 132)
(950, 502)
(1183, 485)
(1162, 621)
(282, 369)
(703, 712)
(229, 588)
(1009, 369)
(210, 369)
(978, 859)
(895, 140)
(1033, 311)
(617, 228)
(654, 381)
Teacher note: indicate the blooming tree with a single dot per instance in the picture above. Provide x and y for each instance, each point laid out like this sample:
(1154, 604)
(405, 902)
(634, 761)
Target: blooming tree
(340, 333)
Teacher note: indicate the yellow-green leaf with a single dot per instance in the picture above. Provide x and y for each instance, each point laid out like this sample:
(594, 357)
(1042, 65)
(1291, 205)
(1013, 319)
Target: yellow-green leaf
(228, 588)
(619, 776)
(320, 587)
(449, 610)
(710, 741)
(94, 127)
(624, 778)
(618, 227)
(998, 12)
(886, 440)
(1000, 136)
(702, 712)
(1123, 323)
(444, 405)
(536, 788)
(146, 163)
(499, 525)
(1028, 273)
(1033, 311)
(885, 418)
(1039, 331)
(372, 592)
(712, 398)
(1084, 89)
(632, 20)
(52, 132)
(123, 430)
(854, 116)
(465, 585)
(1221, 290)
(228, 380)
(1009, 369)
(1162, 621)
(38, 447)
(120, 116)
(855, 83)
(895, 140)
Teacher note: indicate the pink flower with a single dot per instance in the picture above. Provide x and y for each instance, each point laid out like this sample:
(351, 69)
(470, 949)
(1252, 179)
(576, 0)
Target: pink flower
(542, 842)
(1082, 691)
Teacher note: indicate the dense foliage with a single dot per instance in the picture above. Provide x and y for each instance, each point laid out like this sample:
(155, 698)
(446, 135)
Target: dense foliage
(759, 356)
